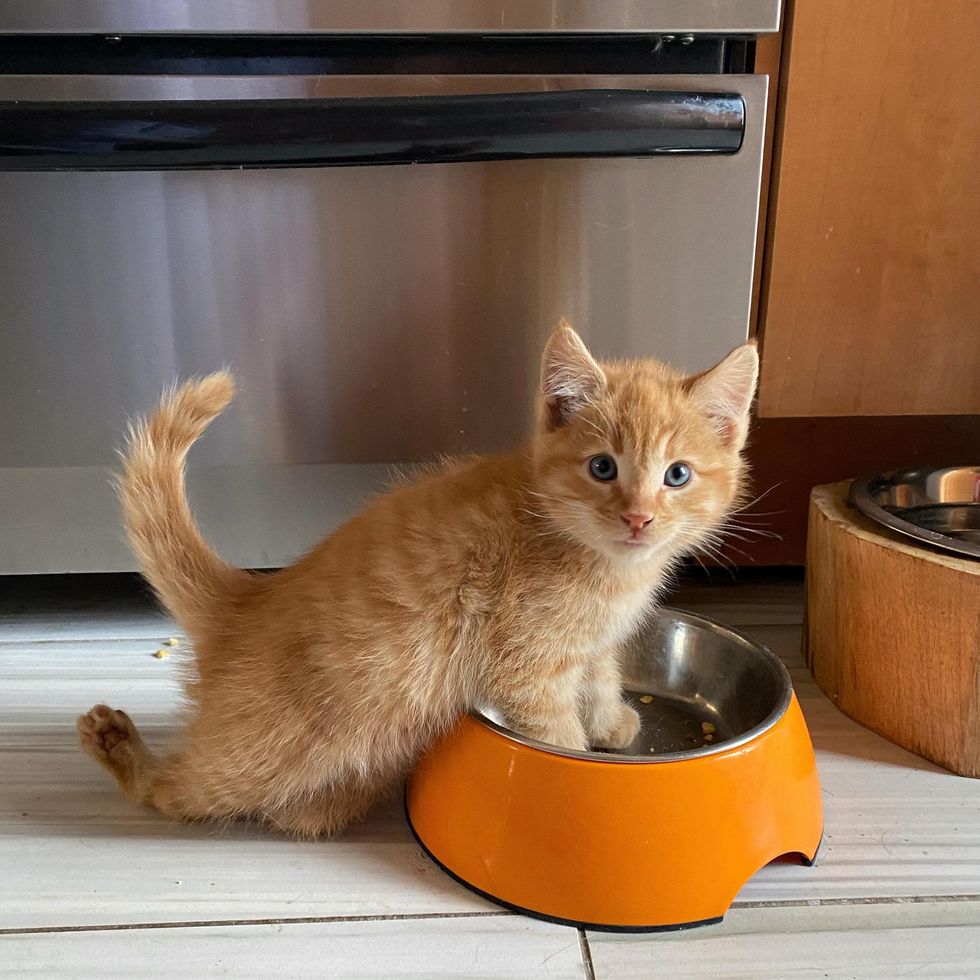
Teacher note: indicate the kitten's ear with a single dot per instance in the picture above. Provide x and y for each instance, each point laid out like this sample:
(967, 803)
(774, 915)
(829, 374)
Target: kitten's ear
(725, 393)
(570, 377)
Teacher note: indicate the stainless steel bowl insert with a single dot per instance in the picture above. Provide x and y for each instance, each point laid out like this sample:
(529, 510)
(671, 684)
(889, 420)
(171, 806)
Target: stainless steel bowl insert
(689, 677)
(938, 506)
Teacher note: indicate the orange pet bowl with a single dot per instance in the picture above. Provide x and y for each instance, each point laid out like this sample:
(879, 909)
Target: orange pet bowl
(660, 836)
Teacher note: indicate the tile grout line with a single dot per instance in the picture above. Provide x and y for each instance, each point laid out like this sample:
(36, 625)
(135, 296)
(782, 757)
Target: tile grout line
(501, 913)
(154, 639)
(805, 903)
(586, 950)
(149, 638)
(277, 921)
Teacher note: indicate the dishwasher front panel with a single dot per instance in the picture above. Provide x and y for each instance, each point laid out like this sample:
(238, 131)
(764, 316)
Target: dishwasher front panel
(373, 315)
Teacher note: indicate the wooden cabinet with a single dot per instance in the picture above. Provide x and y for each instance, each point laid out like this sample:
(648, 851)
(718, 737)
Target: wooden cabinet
(870, 300)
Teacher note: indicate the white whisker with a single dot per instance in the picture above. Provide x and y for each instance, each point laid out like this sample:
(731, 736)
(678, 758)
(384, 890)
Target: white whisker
(755, 500)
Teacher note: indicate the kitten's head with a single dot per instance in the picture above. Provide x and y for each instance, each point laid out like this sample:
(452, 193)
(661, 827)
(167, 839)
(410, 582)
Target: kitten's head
(633, 459)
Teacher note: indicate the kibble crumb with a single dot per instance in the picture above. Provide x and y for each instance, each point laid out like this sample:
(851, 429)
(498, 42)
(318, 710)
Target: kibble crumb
(708, 728)
(162, 654)
(646, 698)
(173, 642)
(709, 738)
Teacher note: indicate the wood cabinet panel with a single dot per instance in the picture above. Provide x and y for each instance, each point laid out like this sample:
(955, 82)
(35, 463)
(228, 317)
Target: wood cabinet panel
(871, 299)
(790, 456)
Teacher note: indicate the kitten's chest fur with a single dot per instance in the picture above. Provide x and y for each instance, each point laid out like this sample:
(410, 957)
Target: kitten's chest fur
(544, 600)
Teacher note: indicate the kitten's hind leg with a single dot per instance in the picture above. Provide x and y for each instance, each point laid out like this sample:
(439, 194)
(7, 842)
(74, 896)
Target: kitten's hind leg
(328, 811)
(191, 784)
(180, 785)
(111, 738)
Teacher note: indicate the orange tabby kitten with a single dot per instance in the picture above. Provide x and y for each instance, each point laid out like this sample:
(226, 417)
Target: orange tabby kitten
(508, 581)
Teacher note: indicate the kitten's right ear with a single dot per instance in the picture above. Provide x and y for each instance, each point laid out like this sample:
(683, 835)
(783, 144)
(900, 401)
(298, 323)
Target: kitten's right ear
(570, 377)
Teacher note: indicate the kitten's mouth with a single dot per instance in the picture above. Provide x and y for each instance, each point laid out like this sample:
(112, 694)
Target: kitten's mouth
(636, 542)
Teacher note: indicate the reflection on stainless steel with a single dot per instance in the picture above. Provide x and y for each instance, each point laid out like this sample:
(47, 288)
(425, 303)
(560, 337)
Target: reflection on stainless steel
(107, 16)
(697, 671)
(940, 506)
(66, 519)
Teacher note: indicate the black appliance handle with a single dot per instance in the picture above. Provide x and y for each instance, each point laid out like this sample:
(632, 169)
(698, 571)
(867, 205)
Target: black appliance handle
(236, 134)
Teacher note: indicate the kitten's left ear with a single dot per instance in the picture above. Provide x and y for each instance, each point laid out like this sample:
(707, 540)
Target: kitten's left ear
(725, 393)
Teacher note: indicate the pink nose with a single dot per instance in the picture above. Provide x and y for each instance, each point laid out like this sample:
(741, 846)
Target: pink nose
(637, 522)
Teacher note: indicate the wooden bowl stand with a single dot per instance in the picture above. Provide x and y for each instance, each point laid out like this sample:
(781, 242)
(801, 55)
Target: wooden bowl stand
(893, 632)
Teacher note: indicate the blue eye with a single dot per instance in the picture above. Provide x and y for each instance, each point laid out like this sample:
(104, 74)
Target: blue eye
(677, 475)
(603, 467)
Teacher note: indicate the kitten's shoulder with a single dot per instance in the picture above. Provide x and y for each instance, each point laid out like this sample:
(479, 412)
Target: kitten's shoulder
(494, 470)
(406, 477)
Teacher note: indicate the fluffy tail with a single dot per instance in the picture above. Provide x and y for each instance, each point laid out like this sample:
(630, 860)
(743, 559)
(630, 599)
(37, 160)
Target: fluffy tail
(183, 569)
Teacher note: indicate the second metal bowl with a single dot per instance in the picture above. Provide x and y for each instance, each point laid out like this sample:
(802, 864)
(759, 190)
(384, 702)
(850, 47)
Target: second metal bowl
(937, 506)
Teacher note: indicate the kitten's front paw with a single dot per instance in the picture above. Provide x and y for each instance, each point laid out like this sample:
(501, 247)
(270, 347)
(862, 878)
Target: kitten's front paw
(567, 740)
(621, 733)
(568, 736)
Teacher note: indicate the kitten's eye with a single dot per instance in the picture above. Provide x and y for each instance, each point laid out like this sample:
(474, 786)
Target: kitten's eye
(677, 474)
(603, 467)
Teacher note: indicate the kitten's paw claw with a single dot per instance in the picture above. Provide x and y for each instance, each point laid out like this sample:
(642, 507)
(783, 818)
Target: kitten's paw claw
(621, 734)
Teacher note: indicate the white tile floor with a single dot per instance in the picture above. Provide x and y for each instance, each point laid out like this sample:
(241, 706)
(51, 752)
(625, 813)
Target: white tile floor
(91, 883)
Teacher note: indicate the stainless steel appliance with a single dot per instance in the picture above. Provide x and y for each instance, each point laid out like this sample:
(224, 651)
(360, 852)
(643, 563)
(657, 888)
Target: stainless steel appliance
(243, 184)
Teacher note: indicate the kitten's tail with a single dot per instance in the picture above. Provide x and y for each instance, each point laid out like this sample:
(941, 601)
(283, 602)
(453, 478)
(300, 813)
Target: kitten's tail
(186, 573)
